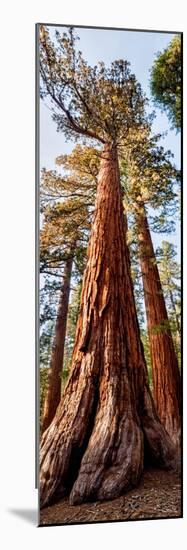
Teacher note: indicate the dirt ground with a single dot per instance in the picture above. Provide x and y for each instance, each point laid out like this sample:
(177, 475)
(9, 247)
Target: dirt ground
(158, 495)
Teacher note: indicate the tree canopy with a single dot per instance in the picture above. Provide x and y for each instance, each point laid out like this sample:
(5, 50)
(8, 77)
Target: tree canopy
(150, 178)
(166, 81)
(93, 102)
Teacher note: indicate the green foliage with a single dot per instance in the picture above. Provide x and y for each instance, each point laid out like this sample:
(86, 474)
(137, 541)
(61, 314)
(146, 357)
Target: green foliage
(170, 275)
(166, 81)
(136, 278)
(161, 223)
(161, 327)
(82, 163)
(146, 346)
(64, 378)
(67, 208)
(71, 324)
(43, 388)
(91, 102)
(149, 176)
(45, 343)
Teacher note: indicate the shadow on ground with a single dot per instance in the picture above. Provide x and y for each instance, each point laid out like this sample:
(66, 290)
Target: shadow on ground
(28, 515)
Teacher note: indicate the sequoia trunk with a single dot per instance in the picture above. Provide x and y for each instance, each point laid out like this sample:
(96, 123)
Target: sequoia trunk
(94, 448)
(53, 394)
(166, 376)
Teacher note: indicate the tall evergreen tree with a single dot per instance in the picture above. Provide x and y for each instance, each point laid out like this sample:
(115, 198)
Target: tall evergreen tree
(150, 181)
(166, 81)
(94, 446)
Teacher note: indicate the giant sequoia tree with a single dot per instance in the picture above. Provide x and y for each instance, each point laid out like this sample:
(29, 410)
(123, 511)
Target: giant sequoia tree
(106, 423)
(150, 181)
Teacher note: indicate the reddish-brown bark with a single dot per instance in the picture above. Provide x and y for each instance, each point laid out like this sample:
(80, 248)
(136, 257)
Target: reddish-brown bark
(106, 421)
(53, 394)
(166, 375)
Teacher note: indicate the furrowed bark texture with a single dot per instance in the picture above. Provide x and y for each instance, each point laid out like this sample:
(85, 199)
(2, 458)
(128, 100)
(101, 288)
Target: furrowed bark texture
(53, 394)
(166, 375)
(94, 448)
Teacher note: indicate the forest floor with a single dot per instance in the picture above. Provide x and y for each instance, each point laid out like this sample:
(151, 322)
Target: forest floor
(158, 495)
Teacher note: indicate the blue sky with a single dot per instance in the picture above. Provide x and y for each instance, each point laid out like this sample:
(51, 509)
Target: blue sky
(140, 49)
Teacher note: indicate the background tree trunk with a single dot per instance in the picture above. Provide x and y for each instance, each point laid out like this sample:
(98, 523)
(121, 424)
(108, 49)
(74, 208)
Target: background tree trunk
(94, 448)
(53, 393)
(166, 375)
